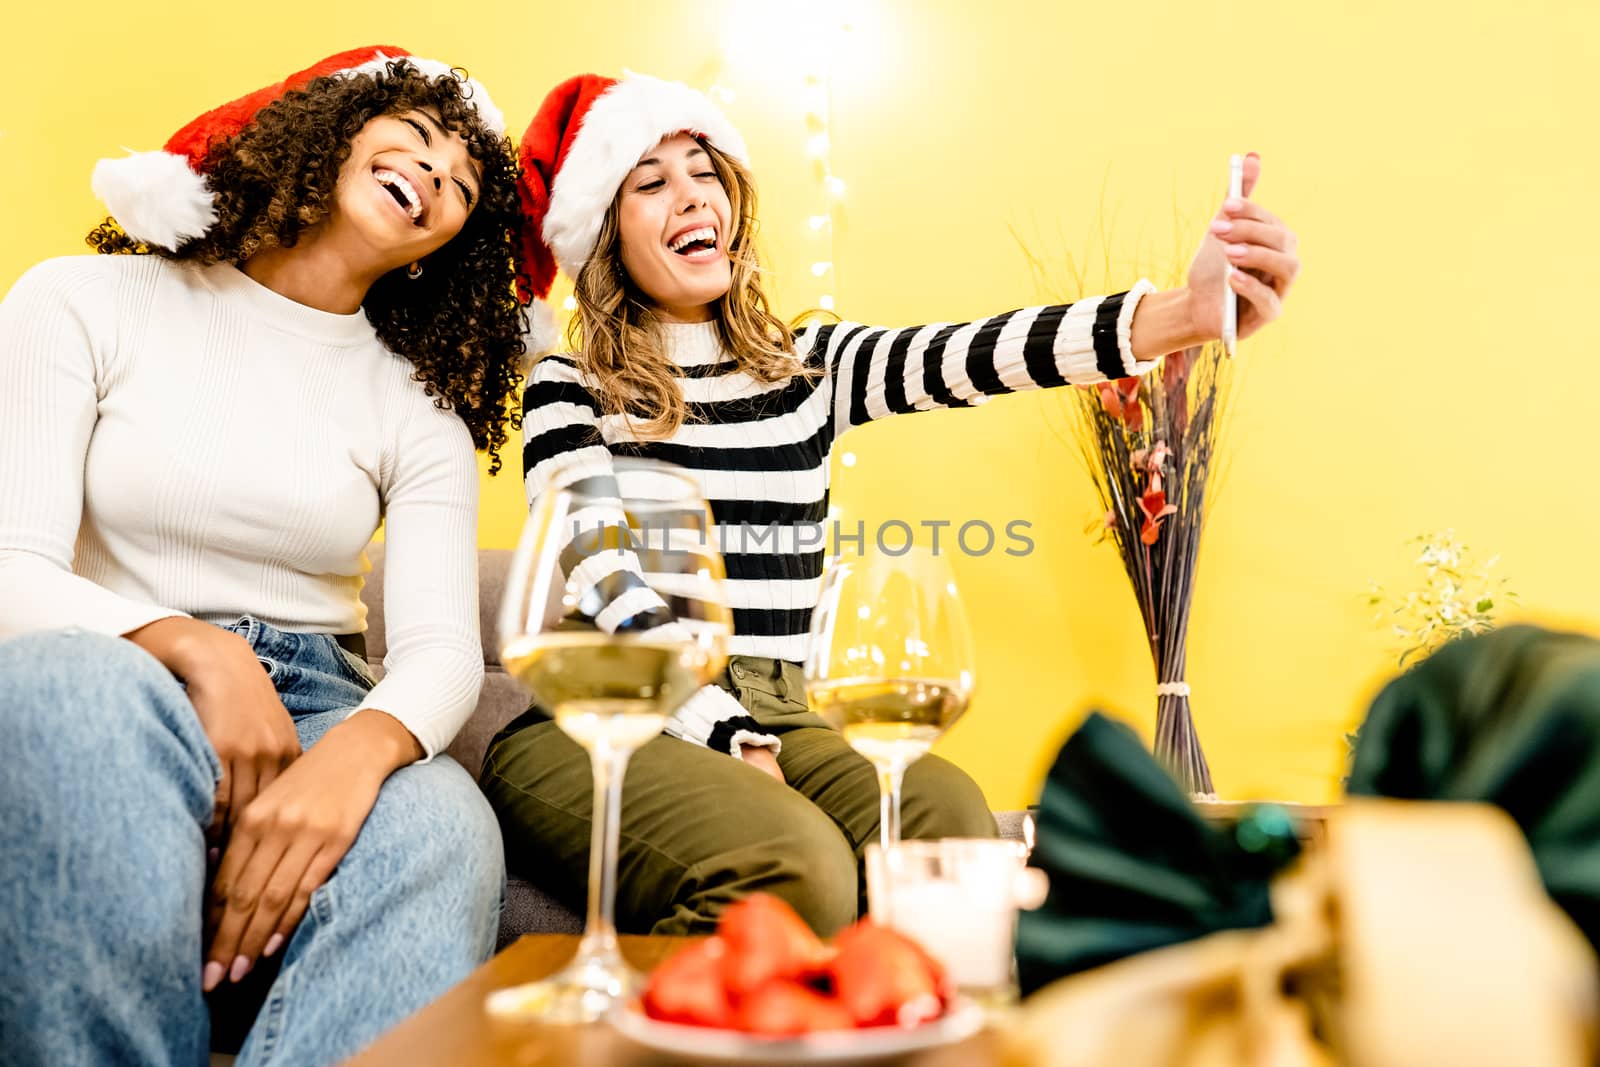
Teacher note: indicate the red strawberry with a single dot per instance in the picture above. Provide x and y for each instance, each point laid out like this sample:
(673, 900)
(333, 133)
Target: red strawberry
(784, 1007)
(767, 940)
(687, 988)
(884, 978)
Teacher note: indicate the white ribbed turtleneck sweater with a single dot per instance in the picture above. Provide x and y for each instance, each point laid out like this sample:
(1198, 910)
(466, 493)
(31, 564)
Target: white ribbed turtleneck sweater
(185, 441)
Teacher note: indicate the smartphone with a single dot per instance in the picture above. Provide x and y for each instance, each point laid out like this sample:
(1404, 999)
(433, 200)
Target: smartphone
(1230, 299)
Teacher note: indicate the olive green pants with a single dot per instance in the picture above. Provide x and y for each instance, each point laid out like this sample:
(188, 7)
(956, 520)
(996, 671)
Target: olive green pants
(701, 829)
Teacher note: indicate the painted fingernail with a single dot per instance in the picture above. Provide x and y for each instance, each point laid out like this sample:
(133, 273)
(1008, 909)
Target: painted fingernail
(212, 976)
(1253, 155)
(241, 967)
(1221, 226)
(1237, 251)
(274, 943)
(211, 856)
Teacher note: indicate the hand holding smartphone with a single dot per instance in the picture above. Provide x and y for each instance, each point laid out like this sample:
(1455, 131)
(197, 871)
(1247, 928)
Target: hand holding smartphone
(1230, 299)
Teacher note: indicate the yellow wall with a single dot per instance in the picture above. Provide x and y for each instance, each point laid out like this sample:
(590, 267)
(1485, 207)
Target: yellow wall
(1435, 369)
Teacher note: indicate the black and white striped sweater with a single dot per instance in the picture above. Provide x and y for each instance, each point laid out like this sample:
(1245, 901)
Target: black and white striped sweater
(760, 451)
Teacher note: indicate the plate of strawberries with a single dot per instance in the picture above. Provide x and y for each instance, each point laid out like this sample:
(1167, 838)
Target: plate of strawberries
(764, 988)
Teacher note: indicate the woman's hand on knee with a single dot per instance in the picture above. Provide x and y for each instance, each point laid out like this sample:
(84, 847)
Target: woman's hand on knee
(240, 711)
(762, 760)
(285, 844)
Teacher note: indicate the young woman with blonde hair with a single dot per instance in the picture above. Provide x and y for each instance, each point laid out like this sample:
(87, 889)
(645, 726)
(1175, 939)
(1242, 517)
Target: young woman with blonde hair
(645, 200)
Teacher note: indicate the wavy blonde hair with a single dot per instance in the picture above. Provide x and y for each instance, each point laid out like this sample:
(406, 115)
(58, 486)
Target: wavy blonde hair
(616, 336)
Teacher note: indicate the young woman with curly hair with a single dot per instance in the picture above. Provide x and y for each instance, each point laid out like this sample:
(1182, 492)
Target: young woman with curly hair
(204, 781)
(648, 206)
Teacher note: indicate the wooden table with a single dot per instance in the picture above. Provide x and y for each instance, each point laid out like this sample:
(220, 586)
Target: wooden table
(457, 1032)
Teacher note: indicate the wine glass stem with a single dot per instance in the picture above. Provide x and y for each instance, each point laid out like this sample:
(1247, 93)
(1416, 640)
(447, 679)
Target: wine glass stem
(890, 776)
(600, 930)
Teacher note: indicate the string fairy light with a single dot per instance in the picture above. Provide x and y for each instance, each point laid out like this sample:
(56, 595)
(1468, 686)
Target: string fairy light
(817, 30)
(818, 96)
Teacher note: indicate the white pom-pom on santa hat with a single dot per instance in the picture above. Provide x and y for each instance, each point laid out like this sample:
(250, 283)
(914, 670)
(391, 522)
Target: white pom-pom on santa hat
(160, 198)
(155, 197)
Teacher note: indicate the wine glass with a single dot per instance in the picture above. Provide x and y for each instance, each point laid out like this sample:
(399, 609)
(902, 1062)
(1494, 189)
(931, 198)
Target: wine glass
(890, 661)
(614, 614)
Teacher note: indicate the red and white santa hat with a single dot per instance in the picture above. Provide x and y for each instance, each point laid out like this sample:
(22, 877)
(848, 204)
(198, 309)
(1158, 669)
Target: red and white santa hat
(589, 133)
(161, 199)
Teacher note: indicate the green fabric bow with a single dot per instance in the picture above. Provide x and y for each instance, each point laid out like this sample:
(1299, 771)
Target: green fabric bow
(1510, 718)
(1132, 865)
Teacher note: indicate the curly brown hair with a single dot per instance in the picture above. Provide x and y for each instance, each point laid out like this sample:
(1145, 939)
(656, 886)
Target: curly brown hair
(460, 324)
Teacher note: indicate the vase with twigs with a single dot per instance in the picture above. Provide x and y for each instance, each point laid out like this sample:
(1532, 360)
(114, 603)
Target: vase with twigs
(1151, 447)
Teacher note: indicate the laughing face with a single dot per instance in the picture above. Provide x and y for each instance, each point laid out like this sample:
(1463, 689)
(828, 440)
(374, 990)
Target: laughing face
(406, 189)
(673, 215)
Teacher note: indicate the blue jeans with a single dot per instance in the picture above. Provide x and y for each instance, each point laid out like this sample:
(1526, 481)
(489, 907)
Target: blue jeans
(106, 790)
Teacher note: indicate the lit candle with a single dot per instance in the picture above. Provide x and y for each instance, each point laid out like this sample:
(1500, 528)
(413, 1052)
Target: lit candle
(965, 924)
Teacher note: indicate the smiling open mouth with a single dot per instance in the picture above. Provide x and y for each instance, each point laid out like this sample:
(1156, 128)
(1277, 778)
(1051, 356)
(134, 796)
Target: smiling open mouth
(403, 193)
(696, 244)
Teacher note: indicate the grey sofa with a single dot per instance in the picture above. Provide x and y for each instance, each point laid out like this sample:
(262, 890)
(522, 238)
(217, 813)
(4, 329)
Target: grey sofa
(528, 908)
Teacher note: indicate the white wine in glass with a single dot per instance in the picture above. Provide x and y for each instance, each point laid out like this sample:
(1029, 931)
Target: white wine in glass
(890, 662)
(893, 720)
(614, 614)
(604, 691)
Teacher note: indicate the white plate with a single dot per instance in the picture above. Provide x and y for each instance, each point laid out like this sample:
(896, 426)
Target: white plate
(703, 1044)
